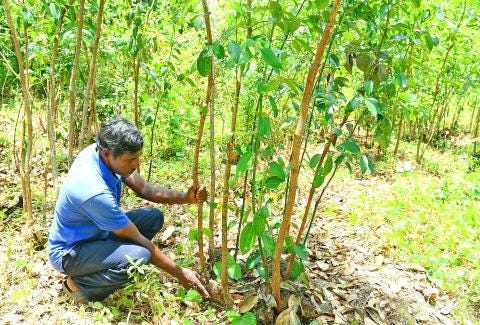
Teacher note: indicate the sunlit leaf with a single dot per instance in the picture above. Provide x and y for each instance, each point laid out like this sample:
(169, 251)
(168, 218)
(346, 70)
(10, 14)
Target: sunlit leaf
(247, 238)
(349, 145)
(270, 58)
(218, 50)
(234, 50)
(204, 63)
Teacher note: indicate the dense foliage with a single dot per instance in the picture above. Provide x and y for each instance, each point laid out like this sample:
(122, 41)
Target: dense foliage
(391, 71)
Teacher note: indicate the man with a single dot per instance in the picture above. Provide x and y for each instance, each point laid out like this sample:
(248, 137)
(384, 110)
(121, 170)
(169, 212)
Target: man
(91, 236)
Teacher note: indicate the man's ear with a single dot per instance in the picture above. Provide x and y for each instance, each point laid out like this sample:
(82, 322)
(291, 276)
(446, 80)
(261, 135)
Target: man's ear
(106, 153)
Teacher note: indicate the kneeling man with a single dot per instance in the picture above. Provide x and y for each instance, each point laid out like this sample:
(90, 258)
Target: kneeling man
(91, 236)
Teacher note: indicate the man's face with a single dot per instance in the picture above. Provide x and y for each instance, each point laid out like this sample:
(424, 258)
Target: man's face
(124, 164)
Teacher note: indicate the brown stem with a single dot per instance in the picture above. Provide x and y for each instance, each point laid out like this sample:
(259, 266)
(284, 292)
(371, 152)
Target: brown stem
(25, 166)
(52, 99)
(203, 113)
(135, 90)
(295, 156)
(73, 81)
(431, 130)
(91, 73)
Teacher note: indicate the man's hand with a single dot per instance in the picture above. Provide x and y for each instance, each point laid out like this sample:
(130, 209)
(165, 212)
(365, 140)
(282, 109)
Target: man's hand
(191, 280)
(196, 195)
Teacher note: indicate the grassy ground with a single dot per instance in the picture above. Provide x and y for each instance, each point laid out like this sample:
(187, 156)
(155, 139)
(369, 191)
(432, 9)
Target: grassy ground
(427, 216)
(430, 217)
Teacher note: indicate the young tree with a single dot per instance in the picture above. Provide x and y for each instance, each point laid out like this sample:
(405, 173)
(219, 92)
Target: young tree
(73, 82)
(295, 155)
(25, 165)
(91, 74)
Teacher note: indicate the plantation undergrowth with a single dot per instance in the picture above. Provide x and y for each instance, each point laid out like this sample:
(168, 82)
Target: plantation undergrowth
(422, 216)
(430, 217)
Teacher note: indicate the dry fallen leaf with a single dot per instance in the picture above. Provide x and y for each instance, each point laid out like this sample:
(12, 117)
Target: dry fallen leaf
(167, 233)
(248, 303)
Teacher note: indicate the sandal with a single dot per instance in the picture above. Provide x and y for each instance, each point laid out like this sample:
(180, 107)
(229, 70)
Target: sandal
(76, 296)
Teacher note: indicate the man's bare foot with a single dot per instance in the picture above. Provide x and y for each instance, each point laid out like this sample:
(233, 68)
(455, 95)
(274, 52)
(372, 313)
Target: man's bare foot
(71, 285)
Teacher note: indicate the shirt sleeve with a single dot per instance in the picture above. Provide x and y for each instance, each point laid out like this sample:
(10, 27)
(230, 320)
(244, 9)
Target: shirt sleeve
(104, 211)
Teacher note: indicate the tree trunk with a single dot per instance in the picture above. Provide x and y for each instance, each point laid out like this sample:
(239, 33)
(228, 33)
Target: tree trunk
(196, 182)
(53, 101)
(295, 156)
(25, 165)
(73, 82)
(473, 116)
(135, 91)
(475, 135)
(431, 130)
(91, 74)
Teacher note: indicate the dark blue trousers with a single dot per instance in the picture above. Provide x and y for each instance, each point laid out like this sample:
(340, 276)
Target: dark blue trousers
(99, 268)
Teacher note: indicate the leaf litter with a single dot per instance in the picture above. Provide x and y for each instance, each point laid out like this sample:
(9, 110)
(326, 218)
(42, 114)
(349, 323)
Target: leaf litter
(350, 276)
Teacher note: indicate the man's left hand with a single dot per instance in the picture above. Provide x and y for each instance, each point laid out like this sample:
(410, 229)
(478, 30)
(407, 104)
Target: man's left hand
(196, 195)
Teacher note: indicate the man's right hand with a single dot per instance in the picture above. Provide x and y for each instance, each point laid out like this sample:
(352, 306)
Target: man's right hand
(191, 280)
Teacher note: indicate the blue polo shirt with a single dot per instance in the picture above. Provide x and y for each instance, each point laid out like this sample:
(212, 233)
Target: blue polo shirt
(87, 207)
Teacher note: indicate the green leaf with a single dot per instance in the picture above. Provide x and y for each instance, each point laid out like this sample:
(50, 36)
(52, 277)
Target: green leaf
(27, 16)
(297, 269)
(204, 63)
(349, 145)
(273, 182)
(315, 160)
(54, 10)
(187, 321)
(247, 238)
(371, 167)
(275, 169)
(268, 244)
(321, 4)
(363, 164)
(249, 319)
(217, 269)
(193, 296)
(340, 159)
(263, 126)
(327, 167)
(373, 106)
(234, 271)
(274, 106)
(366, 164)
(319, 177)
(234, 50)
(246, 319)
(193, 234)
(383, 132)
(368, 87)
(334, 60)
(270, 58)
(364, 62)
(402, 80)
(428, 40)
(218, 50)
(243, 163)
(276, 9)
(252, 260)
(198, 22)
(353, 103)
(301, 251)
(259, 220)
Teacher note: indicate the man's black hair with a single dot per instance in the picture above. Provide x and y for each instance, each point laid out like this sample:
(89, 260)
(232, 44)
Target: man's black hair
(119, 135)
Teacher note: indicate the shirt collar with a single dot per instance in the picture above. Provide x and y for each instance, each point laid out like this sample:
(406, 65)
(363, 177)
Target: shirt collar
(112, 179)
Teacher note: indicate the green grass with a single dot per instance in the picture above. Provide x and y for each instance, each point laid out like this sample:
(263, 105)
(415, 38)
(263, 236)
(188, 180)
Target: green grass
(431, 216)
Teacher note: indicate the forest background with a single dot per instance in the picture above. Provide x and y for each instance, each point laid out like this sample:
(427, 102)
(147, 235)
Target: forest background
(337, 140)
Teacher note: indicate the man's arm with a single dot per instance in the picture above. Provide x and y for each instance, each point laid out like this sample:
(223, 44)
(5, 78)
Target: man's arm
(188, 278)
(158, 194)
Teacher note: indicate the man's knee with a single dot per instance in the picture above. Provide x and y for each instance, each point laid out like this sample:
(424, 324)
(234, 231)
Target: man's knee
(139, 254)
(157, 216)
